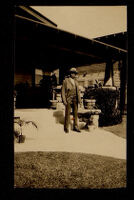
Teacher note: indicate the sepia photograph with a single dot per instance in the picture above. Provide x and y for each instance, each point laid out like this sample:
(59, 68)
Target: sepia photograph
(70, 97)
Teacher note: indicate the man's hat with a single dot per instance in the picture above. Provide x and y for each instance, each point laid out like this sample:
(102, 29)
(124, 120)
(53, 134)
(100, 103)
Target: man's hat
(73, 70)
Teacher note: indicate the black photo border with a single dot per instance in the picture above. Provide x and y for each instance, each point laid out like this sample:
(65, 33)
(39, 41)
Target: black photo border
(7, 66)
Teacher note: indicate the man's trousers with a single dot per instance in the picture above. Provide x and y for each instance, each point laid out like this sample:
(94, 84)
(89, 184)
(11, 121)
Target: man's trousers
(74, 106)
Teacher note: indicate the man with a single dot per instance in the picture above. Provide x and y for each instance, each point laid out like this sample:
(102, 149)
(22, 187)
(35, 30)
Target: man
(71, 97)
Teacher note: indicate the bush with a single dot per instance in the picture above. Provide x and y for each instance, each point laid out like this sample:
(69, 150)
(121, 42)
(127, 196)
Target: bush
(106, 101)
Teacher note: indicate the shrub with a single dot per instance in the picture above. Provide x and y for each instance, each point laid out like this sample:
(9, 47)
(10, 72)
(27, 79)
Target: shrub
(18, 135)
(106, 101)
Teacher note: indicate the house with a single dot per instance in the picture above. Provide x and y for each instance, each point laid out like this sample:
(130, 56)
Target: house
(23, 71)
(41, 48)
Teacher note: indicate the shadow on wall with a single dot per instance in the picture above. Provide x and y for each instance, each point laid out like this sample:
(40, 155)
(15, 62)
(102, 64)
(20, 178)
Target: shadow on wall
(59, 116)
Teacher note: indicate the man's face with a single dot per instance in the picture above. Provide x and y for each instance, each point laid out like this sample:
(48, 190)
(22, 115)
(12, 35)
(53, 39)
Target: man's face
(73, 75)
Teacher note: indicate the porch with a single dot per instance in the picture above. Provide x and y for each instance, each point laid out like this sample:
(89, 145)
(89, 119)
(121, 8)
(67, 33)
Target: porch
(50, 136)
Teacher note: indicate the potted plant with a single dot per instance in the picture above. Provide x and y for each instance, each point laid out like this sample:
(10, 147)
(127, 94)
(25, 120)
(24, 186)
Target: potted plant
(89, 103)
(18, 134)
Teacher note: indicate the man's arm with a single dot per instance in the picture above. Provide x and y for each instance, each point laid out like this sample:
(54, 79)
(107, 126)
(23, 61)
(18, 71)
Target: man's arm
(63, 93)
(79, 97)
(78, 93)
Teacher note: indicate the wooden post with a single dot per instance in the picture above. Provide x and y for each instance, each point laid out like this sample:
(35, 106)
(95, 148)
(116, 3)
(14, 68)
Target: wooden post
(61, 75)
(123, 82)
(112, 73)
(33, 77)
(109, 72)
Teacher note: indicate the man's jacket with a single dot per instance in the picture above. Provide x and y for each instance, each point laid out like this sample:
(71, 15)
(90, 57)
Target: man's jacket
(68, 91)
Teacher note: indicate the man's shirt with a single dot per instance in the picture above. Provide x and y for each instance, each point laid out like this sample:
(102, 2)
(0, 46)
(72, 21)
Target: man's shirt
(72, 81)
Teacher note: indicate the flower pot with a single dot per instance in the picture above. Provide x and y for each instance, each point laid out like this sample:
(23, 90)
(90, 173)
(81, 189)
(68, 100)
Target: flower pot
(53, 104)
(89, 103)
(58, 97)
(21, 138)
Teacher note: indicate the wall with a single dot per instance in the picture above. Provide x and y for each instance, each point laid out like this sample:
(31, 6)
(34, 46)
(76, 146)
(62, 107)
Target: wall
(92, 72)
(38, 76)
(116, 74)
(97, 72)
(22, 78)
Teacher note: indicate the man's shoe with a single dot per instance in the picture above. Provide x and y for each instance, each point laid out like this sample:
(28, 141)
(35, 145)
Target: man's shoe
(77, 130)
(66, 130)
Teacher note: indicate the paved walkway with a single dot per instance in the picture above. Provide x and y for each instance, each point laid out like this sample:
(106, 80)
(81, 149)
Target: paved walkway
(50, 136)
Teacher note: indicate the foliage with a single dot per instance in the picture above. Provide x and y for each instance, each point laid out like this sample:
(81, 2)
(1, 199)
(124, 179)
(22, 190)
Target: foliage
(23, 122)
(106, 101)
(21, 87)
(18, 134)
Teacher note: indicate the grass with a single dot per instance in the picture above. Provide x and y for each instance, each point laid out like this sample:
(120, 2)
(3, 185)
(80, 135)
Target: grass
(119, 129)
(68, 170)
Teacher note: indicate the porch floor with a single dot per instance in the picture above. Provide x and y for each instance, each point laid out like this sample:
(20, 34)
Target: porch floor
(50, 136)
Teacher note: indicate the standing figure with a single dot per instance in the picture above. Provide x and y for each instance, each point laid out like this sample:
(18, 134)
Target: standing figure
(71, 97)
(53, 79)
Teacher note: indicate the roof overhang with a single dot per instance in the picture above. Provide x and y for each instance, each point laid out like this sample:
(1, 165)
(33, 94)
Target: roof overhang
(44, 37)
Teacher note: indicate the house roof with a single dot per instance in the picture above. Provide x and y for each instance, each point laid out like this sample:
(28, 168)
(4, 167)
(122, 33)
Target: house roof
(110, 41)
(48, 44)
(117, 40)
(26, 11)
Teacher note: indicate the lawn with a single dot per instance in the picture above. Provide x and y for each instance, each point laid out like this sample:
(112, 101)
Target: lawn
(68, 170)
(119, 129)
